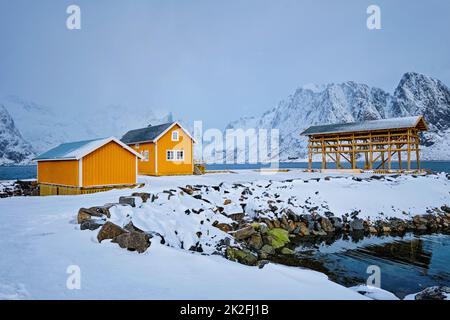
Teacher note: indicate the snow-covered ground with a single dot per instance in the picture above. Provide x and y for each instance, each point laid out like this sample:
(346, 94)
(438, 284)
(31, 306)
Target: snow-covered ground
(41, 239)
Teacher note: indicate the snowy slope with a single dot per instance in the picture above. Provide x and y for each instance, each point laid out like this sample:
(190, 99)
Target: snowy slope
(416, 94)
(44, 127)
(41, 240)
(13, 148)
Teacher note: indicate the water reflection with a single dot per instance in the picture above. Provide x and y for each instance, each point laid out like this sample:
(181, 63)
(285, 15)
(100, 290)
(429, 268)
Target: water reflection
(408, 264)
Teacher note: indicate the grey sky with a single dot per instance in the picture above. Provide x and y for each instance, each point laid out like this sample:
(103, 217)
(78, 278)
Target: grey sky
(212, 60)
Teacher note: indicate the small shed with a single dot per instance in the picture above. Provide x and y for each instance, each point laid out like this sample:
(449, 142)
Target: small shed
(377, 141)
(166, 149)
(87, 166)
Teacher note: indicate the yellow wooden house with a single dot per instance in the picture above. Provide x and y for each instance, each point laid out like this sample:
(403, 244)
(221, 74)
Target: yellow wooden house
(166, 149)
(86, 167)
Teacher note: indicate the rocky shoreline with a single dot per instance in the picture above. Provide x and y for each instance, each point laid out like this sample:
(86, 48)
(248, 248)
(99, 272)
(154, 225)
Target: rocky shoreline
(256, 235)
(19, 188)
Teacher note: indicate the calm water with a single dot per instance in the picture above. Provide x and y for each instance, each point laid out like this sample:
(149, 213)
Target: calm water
(29, 172)
(408, 264)
(17, 172)
(431, 165)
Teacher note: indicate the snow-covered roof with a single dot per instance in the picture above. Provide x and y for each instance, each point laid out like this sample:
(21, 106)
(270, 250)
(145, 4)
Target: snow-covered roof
(150, 133)
(372, 125)
(78, 149)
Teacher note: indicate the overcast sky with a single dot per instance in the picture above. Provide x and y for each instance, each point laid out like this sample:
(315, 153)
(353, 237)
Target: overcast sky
(212, 60)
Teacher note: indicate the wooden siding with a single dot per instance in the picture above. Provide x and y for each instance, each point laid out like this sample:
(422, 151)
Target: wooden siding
(184, 143)
(63, 172)
(145, 167)
(109, 165)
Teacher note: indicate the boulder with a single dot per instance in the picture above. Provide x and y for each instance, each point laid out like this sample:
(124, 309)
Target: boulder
(357, 224)
(189, 191)
(301, 229)
(267, 249)
(244, 233)
(241, 256)
(131, 201)
(255, 241)
(91, 224)
(134, 241)
(326, 225)
(109, 231)
(277, 237)
(225, 227)
(445, 209)
(236, 216)
(87, 214)
(143, 195)
(131, 227)
(287, 251)
(433, 293)
(227, 202)
(337, 223)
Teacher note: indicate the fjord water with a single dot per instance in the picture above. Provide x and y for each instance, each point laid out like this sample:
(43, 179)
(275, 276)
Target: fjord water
(438, 166)
(408, 264)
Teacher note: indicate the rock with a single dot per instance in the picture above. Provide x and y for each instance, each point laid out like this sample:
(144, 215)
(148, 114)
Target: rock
(244, 233)
(357, 224)
(287, 251)
(255, 241)
(266, 251)
(131, 227)
(227, 202)
(87, 214)
(445, 209)
(386, 229)
(131, 201)
(189, 191)
(91, 224)
(262, 263)
(224, 227)
(134, 241)
(109, 231)
(326, 225)
(372, 230)
(277, 237)
(319, 233)
(302, 229)
(143, 195)
(433, 293)
(242, 256)
(337, 223)
(236, 216)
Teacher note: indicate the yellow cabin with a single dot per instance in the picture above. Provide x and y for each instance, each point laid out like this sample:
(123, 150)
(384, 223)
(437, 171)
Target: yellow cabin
(166, 149)
(86, 167)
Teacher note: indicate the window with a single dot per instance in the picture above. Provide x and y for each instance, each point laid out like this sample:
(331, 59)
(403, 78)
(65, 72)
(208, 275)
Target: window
(175, 136)
(145, 155)
(175, 155)
(136, 145)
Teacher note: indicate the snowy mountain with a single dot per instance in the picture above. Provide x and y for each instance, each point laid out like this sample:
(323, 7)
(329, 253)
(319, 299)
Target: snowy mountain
(350, 101)
(44, 127)
(13, 148)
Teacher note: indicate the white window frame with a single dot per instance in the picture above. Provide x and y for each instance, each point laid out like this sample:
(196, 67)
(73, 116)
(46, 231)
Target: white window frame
(167, 155)
(146, 155)
(175, 155)
(175, 132)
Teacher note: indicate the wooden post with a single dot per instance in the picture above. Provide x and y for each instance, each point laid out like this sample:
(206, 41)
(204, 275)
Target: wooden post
(353, 152)
(389, 150)
(408, 141)
(400, 160)
(324, 160)
(417, 150)
(371, 151)
(309, 154)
